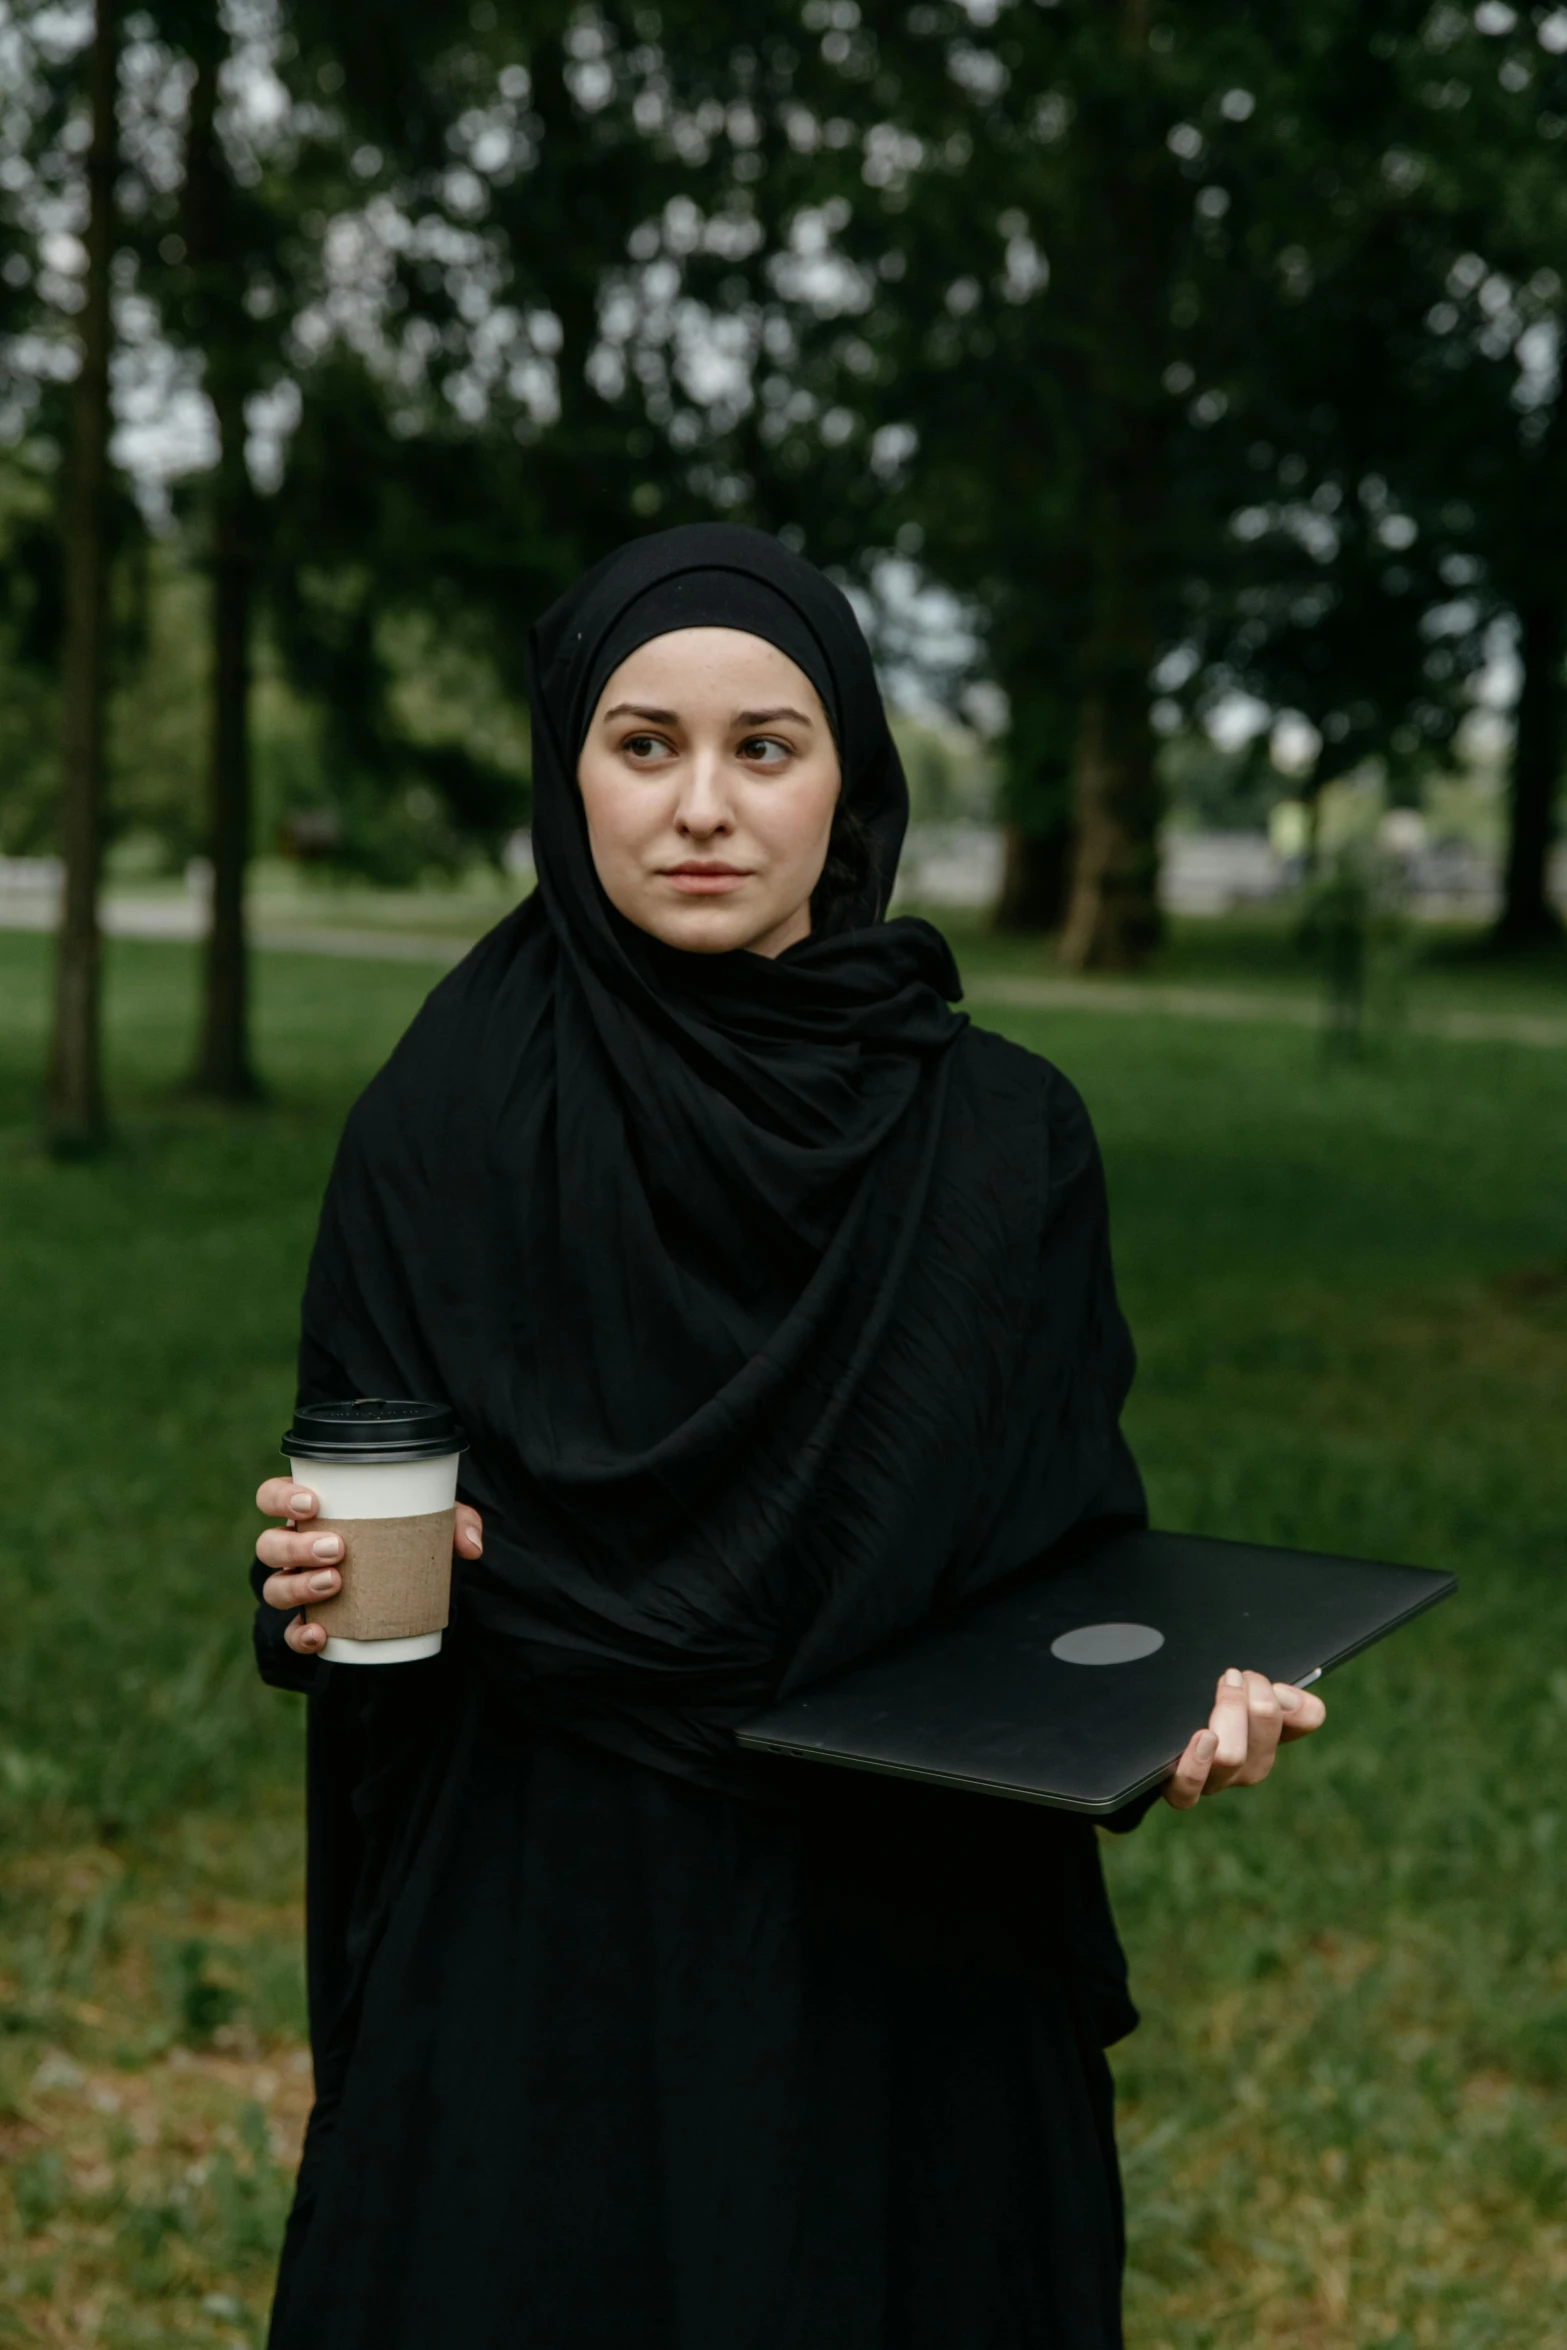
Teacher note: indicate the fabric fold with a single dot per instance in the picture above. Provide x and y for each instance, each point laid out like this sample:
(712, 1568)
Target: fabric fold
(776, 1299)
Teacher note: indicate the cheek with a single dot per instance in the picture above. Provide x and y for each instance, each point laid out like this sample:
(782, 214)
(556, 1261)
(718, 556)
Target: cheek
(616, 817)
(798, 824)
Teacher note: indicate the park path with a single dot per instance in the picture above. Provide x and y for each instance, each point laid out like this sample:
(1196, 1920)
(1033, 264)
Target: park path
(184, 919)
(176, 920)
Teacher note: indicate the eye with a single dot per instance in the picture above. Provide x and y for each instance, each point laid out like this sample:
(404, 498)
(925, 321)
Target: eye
(644, 748)
(765, 750)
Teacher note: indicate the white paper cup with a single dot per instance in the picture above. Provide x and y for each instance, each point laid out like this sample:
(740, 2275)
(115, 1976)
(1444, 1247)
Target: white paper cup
(384, 1473)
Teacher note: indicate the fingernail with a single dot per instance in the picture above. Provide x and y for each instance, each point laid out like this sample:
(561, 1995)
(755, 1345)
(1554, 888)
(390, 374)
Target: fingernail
(323, 1582)
(475, 1540)
(1288, 1698)
(1208, 1744)
(298, 1502)
(1234, 1680)
(326, 1547)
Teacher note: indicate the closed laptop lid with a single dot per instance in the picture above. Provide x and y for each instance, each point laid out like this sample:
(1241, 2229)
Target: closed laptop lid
(1079, 1685)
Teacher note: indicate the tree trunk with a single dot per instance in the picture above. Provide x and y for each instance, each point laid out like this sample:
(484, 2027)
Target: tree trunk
(223, 1056)
(1128, 212)
(1035, 875)
(1113, 921)
(1539, 742)
(75, 1114)
(223, 1061)
(1036, 768)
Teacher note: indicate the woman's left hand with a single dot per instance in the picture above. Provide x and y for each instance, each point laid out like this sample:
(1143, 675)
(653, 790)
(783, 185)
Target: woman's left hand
(1251, 1719)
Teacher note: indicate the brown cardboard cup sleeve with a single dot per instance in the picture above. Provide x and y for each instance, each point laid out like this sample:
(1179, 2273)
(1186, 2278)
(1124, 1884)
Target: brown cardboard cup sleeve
(397, 1577)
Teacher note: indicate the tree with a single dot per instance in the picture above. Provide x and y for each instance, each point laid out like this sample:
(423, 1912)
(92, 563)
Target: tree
(1011, 209)
(1128, 233)
(217, 321)
(1540, 724)
(1492, 149)
(1318, 555)
(1405, 426)
(514, 402)
(76, 1113)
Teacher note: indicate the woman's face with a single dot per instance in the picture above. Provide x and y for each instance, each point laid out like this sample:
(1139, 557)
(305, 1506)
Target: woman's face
(709, 778)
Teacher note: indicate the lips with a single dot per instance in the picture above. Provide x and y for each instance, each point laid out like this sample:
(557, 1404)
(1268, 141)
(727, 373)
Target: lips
(698, 878)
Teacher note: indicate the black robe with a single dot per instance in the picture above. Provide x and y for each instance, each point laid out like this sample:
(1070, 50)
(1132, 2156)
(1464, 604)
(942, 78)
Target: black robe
(777, 1302)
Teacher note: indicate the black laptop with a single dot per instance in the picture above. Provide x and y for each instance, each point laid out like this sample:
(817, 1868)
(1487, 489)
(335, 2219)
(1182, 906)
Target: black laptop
(1079, 1685)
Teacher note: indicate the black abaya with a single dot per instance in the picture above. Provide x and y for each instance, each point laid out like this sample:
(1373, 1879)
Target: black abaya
(642, 2066)
(777, 1303)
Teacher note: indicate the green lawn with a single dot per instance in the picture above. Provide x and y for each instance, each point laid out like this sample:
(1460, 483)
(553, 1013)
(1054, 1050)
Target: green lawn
(1343, 2118)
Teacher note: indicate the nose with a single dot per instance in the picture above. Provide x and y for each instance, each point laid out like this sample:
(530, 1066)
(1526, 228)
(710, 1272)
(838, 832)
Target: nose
(704, 812)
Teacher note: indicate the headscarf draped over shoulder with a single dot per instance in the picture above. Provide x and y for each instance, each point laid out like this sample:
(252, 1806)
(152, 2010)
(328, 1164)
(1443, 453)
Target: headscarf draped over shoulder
(775, 1299)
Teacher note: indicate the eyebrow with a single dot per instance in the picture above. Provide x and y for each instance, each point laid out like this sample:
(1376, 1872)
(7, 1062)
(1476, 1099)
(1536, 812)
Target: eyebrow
(671, 717)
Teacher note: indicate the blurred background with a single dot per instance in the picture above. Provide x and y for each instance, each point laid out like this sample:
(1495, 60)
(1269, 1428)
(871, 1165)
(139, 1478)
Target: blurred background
(1178, 392)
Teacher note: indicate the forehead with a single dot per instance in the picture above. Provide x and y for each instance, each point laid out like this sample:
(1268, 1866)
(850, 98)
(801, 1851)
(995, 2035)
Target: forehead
(695, 668)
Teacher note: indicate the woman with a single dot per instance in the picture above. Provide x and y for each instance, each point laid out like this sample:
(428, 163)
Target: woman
(776, 1301)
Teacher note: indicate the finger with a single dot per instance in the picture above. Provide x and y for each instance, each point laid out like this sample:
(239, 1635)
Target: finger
(1230, 1722)
(280, 1497)
(305, 1639)
(1265, 1719)
(1190, 1775)
(290, 1591)
(1307, 1713)
(297, 1553)
(469, 1535)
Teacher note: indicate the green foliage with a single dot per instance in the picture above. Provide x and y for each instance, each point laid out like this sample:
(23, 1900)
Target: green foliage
(37, 2187)
(1228, 790)
(201, 2000)
(1201, 333)
(249, 2201)
(29, 644)
(1354, 928)
(951, 774)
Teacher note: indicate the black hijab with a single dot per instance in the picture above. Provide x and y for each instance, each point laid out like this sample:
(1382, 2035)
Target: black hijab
(775, 1299)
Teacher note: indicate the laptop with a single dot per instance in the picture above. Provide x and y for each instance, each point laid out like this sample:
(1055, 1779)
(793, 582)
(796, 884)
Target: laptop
(1079, 1684)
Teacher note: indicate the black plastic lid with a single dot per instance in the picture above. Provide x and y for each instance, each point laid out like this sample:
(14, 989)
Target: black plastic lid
(373, 1427)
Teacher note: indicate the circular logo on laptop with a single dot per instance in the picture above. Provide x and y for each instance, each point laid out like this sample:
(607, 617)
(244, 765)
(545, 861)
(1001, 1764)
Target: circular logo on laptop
(1106, 1644)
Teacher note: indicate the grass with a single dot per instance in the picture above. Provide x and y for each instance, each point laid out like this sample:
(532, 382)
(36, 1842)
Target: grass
(1421, 969)
(1342, 2119)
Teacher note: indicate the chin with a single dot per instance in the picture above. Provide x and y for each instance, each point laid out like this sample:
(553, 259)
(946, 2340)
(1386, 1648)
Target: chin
(712, 926)
(697, 931)
(699, 926)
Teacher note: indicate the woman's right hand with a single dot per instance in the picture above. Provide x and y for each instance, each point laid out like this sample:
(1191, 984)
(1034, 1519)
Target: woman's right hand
(306, 1566)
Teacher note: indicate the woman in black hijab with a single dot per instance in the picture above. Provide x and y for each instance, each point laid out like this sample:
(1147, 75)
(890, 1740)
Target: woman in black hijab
(776, 1302)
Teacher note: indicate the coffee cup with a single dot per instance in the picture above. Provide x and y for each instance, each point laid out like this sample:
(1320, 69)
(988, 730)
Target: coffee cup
(384, 1473)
